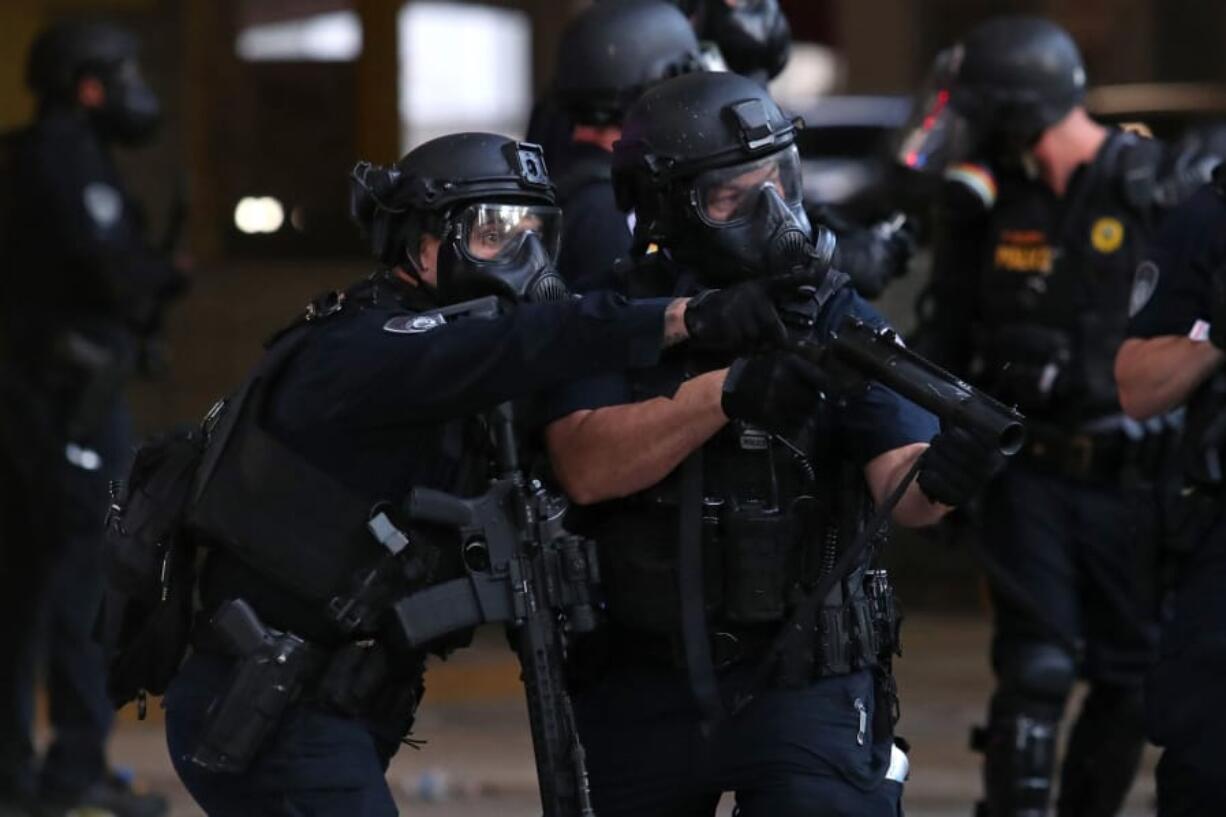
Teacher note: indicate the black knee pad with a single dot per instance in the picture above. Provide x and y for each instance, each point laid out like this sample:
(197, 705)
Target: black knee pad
(1034, 672)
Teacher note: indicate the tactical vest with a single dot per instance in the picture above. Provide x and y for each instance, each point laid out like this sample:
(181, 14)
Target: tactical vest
(297, 527)
(776, 515)
(1054, 297)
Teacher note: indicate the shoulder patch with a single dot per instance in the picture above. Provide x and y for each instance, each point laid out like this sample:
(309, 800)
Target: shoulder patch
(1144, 282)
(103, 203)
(413, 324)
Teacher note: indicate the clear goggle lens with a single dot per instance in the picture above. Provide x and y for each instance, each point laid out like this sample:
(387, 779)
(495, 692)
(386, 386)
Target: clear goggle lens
(494, 232)
(728, 195)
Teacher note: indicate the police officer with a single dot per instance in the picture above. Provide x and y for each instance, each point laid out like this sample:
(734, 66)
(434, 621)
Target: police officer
(741, 461)
(83, 290)
(379, 392)
(609, 53)
(1174, 356)
(1034, 259)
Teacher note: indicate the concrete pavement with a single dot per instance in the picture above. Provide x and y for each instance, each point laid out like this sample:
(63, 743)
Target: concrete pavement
(478, 756)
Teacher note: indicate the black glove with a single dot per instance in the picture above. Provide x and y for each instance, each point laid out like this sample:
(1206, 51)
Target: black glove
(778, 391)
(741, 317)
(957, 465)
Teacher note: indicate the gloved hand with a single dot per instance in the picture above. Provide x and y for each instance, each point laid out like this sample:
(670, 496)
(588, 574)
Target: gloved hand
(742, 317)
(957, 465)
(778, 391)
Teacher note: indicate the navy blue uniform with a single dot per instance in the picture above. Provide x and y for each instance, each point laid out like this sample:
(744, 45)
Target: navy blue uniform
(81, 287)
(1173, 294)
(595, 233)
(1031, 303)
(821, 747)
(383, 405)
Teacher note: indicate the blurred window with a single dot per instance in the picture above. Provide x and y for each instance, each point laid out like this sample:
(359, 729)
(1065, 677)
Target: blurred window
(463, 67)
(331, 37)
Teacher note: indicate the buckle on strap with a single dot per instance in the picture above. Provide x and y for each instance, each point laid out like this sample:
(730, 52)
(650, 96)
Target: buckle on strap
(324, 306)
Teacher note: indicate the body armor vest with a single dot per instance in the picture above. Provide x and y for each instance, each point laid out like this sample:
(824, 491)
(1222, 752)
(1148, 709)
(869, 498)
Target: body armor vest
(294, 526)
(776, 514)
(1054, 298)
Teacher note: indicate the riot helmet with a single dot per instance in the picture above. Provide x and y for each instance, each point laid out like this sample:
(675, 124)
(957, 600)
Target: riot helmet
(995, 93)
(611, 51)
(753, 36)
(486, 198)
(63, 54)
(709, 164)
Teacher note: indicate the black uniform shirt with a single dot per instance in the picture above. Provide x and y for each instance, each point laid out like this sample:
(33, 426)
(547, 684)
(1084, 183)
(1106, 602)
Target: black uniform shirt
(870, 424)
(75, 248)
(383, 404)
(1031, 298)
(1171, 290)
(594, 232)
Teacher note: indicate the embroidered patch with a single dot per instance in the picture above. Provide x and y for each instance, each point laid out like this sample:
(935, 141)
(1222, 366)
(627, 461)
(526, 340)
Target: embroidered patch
(413, 324)
(1107, 234)
(1024, 251)
(103, 203)
(1144, 282)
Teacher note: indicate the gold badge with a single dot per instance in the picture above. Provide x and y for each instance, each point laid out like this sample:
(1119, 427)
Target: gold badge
(1107, 234)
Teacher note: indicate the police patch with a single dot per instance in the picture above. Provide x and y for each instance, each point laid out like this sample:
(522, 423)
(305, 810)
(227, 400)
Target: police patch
(1144, 282)
(103, 203)
(1107, 234)
(413, 324)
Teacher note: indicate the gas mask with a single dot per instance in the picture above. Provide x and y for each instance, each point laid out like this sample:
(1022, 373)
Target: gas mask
(132, 112)
(751, 220)
(506, 250)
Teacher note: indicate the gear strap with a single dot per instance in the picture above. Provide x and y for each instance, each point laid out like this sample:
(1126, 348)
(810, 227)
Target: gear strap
(695, 638)
(806, 608)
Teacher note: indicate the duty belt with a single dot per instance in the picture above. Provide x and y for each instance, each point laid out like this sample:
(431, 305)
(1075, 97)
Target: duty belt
(1099, 457)
(847, 639)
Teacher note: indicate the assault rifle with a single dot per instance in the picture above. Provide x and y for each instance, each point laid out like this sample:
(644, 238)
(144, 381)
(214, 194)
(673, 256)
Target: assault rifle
(522, 568)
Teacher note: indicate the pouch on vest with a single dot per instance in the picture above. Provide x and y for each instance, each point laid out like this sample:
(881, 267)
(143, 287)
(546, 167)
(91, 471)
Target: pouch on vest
(149, 566)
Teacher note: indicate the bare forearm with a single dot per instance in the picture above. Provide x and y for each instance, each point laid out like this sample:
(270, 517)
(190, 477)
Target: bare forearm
(886, 472)
(615, 451)
(1155, 375)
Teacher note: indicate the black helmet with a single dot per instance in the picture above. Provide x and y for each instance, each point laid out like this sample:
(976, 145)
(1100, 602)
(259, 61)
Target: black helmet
(1018, 75)
(613, 50)
(753, 36)
(486, 197)
(708, 163)
(996, 91)
(65, 52)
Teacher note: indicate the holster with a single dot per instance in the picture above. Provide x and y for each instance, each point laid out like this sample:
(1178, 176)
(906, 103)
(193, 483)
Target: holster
(275, 670)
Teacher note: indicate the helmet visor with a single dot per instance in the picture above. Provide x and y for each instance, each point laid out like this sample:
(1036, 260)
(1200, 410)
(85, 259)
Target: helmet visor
(936, 135)
(494, 232)
(729, 195)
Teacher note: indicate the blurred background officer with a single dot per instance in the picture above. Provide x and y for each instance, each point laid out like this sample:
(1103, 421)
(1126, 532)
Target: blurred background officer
(1174, 356)
(742, 460)
(381, 393)
(83, 295)
(1033, 267)
(609, 54)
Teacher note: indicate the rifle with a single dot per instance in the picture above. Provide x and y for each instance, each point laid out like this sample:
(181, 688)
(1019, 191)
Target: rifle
(523, 568)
